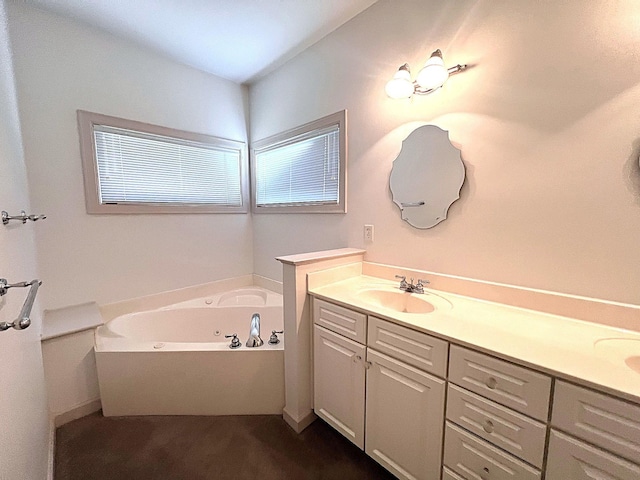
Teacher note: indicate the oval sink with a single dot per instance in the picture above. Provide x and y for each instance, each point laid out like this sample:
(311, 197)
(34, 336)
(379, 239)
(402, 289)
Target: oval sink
(623, 350)
(633, 363)
(402, 302)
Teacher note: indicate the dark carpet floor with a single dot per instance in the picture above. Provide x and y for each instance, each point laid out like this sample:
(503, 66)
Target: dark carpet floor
(193, 448)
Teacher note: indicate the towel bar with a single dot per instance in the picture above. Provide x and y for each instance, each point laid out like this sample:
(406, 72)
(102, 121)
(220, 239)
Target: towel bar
(23, 216)
(24, 319)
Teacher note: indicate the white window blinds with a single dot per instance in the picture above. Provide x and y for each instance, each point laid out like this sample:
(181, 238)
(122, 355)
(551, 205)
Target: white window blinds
(301, 171)
(136, 167)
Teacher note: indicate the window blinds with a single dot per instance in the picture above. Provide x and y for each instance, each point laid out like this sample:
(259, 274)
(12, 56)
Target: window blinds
(302, 171)
(136, 167)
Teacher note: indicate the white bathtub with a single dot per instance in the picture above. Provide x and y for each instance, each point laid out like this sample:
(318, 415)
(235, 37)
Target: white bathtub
(175, 360)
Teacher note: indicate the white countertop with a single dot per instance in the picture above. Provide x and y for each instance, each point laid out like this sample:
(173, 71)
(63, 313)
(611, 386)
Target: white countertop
(68, 320)
(583, 352)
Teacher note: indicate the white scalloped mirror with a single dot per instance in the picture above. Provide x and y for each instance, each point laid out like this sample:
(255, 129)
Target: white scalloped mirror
(426, 177)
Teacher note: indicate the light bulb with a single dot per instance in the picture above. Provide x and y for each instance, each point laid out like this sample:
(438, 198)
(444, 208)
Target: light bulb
(434, 73)
(400, 86)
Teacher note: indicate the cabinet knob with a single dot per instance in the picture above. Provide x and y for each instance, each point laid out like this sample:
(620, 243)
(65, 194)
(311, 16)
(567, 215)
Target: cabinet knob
(491, 383)
(488, 426)
(357, 358)
(484, 475)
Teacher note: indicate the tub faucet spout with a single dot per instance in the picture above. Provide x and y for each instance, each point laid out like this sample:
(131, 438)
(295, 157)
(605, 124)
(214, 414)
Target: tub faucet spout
(254, 332)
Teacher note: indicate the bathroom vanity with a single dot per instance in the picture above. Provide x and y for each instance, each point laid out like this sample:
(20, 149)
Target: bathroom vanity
(438, 385)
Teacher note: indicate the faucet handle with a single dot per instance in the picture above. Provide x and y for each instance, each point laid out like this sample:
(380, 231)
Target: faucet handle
(403, 281)
(273, 339)
(235, 342)
(419, 287)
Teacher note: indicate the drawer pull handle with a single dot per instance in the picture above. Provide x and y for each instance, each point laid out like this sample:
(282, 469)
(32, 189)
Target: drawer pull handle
(485, 473)
(491, 383)
(488, 426)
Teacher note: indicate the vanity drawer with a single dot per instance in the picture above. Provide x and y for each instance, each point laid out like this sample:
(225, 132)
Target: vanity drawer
(499, 425)
(471, 457)
(511, 385)
(415, 348)
(599, 419)
(449, 475)
(340, 320)
(571, 459)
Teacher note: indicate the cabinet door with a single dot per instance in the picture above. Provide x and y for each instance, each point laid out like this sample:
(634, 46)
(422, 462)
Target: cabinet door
(338, 382)
(405, 414)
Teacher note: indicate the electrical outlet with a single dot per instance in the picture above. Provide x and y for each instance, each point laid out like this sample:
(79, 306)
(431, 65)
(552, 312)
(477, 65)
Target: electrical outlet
(368, 233)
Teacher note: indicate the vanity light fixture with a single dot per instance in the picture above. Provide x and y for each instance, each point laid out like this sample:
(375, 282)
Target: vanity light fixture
(430, 78)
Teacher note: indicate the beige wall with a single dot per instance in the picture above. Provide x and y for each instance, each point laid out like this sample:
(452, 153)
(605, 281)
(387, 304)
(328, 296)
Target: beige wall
(62, 66)
(24, 423)
(546, 118)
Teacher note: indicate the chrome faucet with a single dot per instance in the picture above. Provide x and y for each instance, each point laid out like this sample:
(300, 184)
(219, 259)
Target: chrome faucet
(409, 287)
(254, 332)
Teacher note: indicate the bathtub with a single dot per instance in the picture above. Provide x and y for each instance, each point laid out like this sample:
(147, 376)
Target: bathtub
(175, 360)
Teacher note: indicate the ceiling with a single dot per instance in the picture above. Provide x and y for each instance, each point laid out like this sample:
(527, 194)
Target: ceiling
(239, 40)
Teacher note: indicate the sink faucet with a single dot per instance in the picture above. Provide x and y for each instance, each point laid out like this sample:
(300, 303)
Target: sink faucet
(254, 332)
(409, 287)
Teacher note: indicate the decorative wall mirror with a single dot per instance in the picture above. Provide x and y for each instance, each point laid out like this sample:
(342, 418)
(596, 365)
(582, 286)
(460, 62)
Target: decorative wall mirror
(426, 177)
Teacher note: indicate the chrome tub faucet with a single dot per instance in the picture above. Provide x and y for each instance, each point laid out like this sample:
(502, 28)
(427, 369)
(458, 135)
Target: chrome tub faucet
(254, 332)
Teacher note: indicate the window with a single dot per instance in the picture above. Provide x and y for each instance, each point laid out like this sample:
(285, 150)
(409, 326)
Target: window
(302, 170)
(133, 167)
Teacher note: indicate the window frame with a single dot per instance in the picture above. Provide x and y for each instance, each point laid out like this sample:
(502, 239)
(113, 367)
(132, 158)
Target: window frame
(288, 137)
(87, 121)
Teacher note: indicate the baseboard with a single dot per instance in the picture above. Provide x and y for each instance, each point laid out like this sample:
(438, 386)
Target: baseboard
(52, 450)
(298, 425)
(78, 412)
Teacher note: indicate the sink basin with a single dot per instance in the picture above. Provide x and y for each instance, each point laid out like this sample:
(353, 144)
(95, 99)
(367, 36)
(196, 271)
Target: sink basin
(622, 350)
(402, 302)
(633, 363)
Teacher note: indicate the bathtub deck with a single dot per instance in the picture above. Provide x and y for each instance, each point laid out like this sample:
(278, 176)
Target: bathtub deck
(233, 447)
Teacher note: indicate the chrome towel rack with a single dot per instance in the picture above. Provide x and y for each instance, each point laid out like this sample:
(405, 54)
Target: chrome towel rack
(24, 319)
(22, 217)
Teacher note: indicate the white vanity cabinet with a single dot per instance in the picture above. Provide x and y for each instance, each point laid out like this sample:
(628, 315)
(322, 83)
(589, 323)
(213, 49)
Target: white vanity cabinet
(400, 424)
(383, 386)
(600, 436)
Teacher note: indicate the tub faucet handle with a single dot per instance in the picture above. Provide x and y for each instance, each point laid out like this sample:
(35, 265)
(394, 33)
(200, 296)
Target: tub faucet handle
(273, 339)
(235, 341)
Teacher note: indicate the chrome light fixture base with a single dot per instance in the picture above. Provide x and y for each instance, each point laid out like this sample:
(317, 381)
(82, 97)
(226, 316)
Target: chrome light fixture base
(432, 76)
